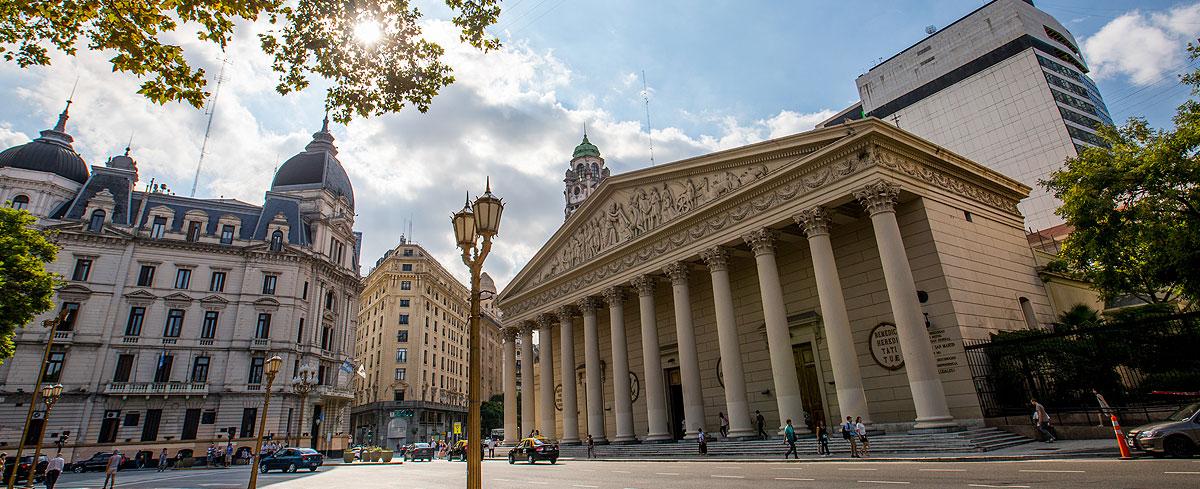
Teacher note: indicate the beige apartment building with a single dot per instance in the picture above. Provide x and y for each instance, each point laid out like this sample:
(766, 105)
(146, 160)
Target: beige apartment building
(175, 304)
(413, 347)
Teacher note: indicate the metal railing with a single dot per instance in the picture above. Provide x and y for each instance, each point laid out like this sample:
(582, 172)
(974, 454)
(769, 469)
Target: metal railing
(156, 388)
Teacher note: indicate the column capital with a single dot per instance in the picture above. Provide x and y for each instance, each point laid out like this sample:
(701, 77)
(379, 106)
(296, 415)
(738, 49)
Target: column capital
(677, 272)
(527, 327)
(644, 285)
(761, 241)
(814, 222)
(878, 196)
(565, 313)
(588, 305)
(716, 258)
(614, 295)
(510, 334)
(545, 320)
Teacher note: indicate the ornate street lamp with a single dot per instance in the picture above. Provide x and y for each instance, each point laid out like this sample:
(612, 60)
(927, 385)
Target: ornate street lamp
(50, 395)
(303, 383)
(471, 224)
(52, 324)
(271, 368)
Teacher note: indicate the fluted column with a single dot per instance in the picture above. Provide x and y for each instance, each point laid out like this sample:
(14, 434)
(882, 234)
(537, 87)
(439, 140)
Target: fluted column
(779, 336)
(929, 398)
(852, 400)
(689, 362)
(570, 402)
(622, 400)
(595, 383)
(512, 433)
(528, 424)
(652, 375)
(546, 393)
(736, 406)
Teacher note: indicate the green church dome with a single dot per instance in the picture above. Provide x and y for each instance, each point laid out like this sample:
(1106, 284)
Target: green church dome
(586, 148)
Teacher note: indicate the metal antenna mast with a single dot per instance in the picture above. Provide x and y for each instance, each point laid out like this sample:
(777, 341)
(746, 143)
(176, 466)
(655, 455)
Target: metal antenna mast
(649, 129)
(212, 108)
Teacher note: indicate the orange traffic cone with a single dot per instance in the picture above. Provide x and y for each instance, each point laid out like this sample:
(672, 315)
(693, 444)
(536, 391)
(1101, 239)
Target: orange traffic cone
(1121, 443)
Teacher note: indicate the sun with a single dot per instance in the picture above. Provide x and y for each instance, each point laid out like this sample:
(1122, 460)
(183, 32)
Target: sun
(367, 31)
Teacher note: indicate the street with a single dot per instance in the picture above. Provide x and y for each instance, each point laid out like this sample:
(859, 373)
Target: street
(1068, 473)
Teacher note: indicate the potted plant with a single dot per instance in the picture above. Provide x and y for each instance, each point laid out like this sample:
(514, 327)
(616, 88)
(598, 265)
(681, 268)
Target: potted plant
(348, 456)
(386, 455)
(373, 454)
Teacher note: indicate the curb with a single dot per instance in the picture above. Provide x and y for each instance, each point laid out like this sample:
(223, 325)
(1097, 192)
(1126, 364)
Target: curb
(951, 458)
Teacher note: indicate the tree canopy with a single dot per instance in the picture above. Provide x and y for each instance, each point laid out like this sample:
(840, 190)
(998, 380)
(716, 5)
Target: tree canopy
(1135, 207)
(370, 51)
(25, 285)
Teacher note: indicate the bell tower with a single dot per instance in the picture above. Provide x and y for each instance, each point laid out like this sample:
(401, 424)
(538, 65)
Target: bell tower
(584, 175)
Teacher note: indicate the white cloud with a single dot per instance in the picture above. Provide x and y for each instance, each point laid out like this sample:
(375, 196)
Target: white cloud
(1143, 46)
(9, 137)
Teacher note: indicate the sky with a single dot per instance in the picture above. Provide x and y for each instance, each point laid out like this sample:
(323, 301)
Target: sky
(718, 74)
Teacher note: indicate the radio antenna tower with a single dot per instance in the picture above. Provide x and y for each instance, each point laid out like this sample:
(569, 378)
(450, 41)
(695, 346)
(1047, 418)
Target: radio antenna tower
(210, 110)
(649, 129)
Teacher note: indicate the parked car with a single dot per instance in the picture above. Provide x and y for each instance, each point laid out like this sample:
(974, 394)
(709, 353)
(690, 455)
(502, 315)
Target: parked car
(459, 451)
(419, 451)
(98, 462)
(1178, 436)
(534, 449)
(291, 460)
(23, 468)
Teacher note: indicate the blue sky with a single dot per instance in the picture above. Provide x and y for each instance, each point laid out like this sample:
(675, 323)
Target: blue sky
(720, 73)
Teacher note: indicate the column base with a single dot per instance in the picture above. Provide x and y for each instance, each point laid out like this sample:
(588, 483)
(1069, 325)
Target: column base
(746, 434)
(658, 438)
(936, 425)
(625, 440)
(570, 441)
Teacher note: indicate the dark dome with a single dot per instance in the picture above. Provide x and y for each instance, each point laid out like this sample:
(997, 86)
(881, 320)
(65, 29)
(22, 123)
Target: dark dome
(317, 166)
(51, 153)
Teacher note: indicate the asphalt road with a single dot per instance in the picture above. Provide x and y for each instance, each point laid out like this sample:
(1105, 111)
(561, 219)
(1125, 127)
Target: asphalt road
(1073, 473)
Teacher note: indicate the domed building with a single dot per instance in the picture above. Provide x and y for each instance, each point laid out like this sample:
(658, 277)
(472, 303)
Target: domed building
(174, 304)
(584, 174)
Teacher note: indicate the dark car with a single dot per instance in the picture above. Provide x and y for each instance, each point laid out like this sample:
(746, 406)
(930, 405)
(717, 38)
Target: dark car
(534, 449)
(23, 468)
(419, 451)
(98, 462)
(291, 460)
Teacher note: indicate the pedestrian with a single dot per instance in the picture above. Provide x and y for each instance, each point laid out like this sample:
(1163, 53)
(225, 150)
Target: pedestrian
(3, 460)
(111, 468)
(162, 460)
(491, 444)
(822, 439)
(1042, 421)
(591, 446)
(54, 468)
(702, 439)
(761, 422)
(860, 429)
(208, 458)
(789, 435)
(724, 425)
(1105, 410)
(848, 434)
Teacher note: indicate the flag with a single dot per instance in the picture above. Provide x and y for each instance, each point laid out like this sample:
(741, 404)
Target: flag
(362, 372)
(347, 366)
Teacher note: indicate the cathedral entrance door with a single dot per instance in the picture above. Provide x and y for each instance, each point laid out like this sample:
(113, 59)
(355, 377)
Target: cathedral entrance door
(675, 401)
(810, 385)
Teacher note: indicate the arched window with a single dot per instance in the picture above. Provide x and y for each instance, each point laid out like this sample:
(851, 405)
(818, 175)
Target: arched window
(97, 221)
(277, 240)
(579, 169)
(595, 168)
(20, 202)
(1027, 311)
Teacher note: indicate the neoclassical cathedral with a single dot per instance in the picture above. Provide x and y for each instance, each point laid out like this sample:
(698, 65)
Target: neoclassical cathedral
(831, 273)
(174, 304)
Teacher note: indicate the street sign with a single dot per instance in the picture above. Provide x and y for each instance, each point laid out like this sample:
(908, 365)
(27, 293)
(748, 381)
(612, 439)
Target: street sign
(458, 427)
(402, 413)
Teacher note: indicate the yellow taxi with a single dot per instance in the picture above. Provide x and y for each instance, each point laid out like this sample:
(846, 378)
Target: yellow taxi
(533, 449)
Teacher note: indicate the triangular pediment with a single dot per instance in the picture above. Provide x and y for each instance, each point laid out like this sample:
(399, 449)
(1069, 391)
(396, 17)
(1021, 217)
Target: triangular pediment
(140, 294)
(177, 297)
(214, 299)
(266, 303)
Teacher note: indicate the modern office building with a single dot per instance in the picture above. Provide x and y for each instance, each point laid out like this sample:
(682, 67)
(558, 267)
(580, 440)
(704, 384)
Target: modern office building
(1005, 86)
(175, 304)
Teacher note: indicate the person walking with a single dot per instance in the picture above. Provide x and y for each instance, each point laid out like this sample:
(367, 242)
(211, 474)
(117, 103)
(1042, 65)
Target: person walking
(111, 468)
(848, 433)
(591, 446)
(1041, 419)
(822, 439)
(162, 460)
(229, 451)
(860, 429)
(724, 425)
(54, 468)
(761, 422)
(789, 435)
(702, 439)
(491, 444)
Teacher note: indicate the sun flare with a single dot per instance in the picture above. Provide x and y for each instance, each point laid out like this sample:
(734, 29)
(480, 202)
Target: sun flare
(367, 31)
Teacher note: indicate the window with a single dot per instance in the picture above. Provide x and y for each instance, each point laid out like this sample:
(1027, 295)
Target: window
(405, 285)
(183, 278)
(397, 395)
(263, 329)
(1027, 311)
(402, 355)
(150, 428)
(304, 291)
(124, 368)
(174, 323)
(402, 336)
(20, 202)
(407, 267)
(68, 323)
(96, 223)
(146, 276)
(193, 232)
(277, 240)
(108, 428)
(408, 252)
(217, 282)
(83, 268)
(200, 369)
(329, 300)
(249, 416)
(256, 370)
(404, 302)
(300, 332)
(326, 337)
(158, 227)
(162, 372)
(404, 319)
(137, 315)
(208, 329)
(401, 374)
(131, 419)
(269, 282)
(227, 234)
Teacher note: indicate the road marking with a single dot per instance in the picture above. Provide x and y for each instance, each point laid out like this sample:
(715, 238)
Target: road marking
(1188, 473)
(791, 479)
(503, 480)
(858, 470)
(1052, 471)
(582, 485)
(989, 485)
(787, 468)
(538, 483)
(729, 476)
(622, 472)
(942, 470)
(884, 482)
(666, 473)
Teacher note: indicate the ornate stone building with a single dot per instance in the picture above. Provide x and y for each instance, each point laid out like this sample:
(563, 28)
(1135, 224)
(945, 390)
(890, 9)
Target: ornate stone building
(175, 303)
(820, 275)
(584, 174)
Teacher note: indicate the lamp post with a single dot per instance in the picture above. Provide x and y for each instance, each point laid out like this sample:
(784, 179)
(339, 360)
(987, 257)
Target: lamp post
(50, 395)
(472, 224)
(271, 368)
(37, 387)
(303, 383)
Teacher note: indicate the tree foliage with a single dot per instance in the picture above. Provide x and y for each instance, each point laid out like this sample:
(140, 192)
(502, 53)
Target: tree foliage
(25, 285)
(492, 413)
(306, 38)
(1135, 207)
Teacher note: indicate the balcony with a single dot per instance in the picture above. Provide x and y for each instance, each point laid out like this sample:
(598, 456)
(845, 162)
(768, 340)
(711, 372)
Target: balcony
(334, 392)
(156, 388)
(260, 344)
(62, 337)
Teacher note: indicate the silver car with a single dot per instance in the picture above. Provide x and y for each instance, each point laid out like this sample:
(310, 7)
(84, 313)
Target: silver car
(1178, 436)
